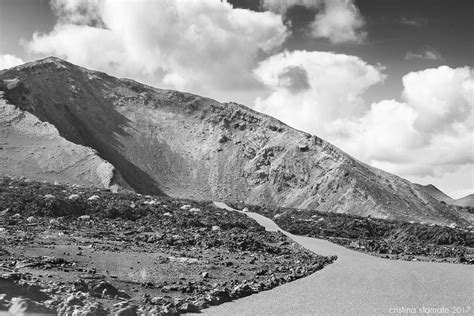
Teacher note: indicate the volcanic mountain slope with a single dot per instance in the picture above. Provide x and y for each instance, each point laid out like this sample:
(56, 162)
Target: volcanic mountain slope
(34, 149)
(184, 145)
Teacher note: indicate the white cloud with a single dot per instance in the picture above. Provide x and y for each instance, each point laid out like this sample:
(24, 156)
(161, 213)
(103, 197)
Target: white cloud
(330, 88)
(200, 46)
(340, 22)
(428, 54)
(337, 20)
(429, 133)
(8, 61)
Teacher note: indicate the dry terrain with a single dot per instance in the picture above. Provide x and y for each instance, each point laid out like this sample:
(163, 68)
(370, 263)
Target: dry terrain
(66, 249)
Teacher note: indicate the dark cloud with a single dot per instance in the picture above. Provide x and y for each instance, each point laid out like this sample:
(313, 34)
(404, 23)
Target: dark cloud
(294, 79)
(253, 5)
(299, 17)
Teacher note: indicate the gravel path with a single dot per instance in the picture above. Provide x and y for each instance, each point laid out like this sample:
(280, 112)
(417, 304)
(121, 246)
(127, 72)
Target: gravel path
(361, 284)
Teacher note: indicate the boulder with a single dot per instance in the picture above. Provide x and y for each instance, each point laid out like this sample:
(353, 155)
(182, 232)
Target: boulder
(93, 198)
(188, 308)
(130, 310)
(32, 220)
(22, 305)
(105, 289)
(74, 197)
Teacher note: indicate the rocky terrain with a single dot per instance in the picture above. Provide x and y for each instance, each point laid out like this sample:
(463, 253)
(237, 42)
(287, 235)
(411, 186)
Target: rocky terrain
(187, 146)
(385, 238)
(66, 249)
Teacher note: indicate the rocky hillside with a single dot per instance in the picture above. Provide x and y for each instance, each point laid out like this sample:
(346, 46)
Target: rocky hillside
(184, 145)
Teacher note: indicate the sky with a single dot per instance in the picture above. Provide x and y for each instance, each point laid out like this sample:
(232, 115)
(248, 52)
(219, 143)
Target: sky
(391, 82)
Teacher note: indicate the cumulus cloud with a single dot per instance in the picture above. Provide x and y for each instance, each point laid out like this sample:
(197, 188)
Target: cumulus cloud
(8, 61)
(333, 88)
(428, 53)
(337, 20)
(428, 132)
(340, 22)
(188, 45)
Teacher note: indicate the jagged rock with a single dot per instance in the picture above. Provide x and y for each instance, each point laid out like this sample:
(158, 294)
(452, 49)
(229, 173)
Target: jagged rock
(23, 305)
(74, 197)
(188, 308)
(105, 289)
(80, 286)
(74, 300)
(129, 310)
(93, 198)
(54, 222)
(32, 220)
(241, 290)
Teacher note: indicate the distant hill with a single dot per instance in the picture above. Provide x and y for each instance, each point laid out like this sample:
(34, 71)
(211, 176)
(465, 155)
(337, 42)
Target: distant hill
(184, 145)
(465, 201)
(436, 193)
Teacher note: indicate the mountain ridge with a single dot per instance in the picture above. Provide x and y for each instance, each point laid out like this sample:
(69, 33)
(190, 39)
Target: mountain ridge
(184, 145)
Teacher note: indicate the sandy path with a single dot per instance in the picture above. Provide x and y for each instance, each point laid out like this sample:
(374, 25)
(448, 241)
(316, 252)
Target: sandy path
(359, 284)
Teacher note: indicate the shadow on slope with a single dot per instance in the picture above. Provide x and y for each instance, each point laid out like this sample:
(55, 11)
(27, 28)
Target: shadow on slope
(64, 97)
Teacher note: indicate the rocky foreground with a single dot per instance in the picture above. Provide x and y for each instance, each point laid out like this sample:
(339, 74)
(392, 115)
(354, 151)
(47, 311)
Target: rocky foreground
(71, 249)
(384, 238)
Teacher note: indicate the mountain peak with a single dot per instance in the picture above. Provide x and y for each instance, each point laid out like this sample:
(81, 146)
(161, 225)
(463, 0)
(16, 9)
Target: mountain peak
(48, 62)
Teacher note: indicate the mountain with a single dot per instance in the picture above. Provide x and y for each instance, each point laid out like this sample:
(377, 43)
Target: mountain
(467, 201)
(184, 145)
(435, 192)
